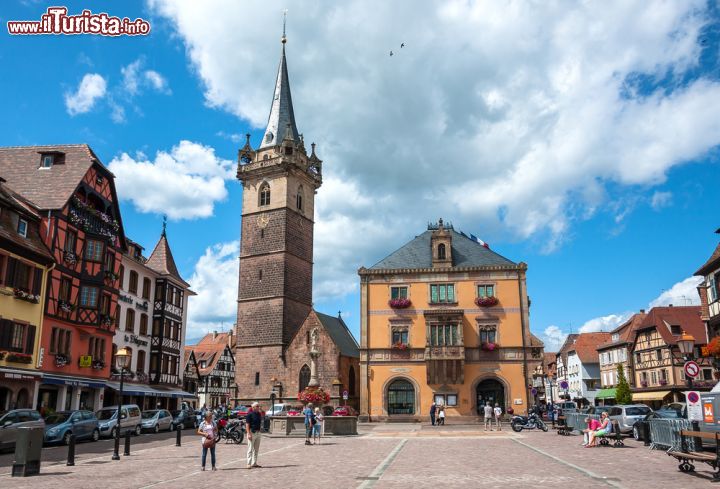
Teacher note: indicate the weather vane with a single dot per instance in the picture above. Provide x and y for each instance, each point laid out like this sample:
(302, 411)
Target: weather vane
(164, 224)
(284, 39)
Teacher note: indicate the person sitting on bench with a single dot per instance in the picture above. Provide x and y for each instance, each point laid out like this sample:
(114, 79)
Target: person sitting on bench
(604, 429)
(593, 425)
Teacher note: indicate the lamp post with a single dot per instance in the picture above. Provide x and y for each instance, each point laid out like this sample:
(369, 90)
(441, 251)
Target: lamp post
(122, 359)
(686, 344)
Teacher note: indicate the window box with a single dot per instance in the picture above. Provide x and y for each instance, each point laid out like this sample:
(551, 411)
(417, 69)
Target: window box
(106, 320)
(112, 276)
(26, 296)
(98, 364)
(643, 383)
(19, 357)
(65, 306)
(399, 303)
(400, 346)
(69, 257)
(486, 301)
(489, 346)
(662, 382)
(61, 360)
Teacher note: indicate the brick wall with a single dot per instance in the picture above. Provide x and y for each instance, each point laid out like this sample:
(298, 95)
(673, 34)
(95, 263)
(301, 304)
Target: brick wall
(260, 322)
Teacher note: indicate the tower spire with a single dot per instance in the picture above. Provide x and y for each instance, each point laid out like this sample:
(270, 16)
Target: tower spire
(281, 109)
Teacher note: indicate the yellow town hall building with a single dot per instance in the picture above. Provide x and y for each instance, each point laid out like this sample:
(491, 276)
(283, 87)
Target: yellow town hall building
(444, 319)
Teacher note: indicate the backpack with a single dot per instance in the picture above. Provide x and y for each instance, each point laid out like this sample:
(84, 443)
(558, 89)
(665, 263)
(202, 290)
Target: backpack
(313, 419)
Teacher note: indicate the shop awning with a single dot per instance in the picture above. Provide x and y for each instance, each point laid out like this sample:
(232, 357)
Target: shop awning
(650, 396)
(146, 390)
(606, 393)
(73, 381)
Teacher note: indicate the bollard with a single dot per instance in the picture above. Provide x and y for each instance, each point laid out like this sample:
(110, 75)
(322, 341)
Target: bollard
(71, 451)
(179, 435)
(127, 444)
(646, 434)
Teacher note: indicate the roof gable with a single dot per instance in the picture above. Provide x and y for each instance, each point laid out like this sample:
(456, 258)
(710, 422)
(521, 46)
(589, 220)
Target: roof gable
(687, 317)
(161, 260)
(340, 334)
(586, 344)
(712, 263)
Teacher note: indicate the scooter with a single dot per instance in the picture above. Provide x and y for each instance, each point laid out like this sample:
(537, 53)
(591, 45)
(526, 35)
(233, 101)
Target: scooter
(519, 423)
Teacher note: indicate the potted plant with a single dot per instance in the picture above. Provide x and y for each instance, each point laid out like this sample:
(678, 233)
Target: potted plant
(106, 320)
(98, 364)
(486, 301)
(662, 381)
(399, 303)
(643, 383)
(489, 346)
(315, 395)
(399, 346)
(26, 296)
(61, 360)
(65, 306)
(110, 275)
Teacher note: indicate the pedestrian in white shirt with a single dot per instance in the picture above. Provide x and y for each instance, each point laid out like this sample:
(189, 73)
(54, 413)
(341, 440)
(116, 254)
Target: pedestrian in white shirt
(498, 414)
(488, 411)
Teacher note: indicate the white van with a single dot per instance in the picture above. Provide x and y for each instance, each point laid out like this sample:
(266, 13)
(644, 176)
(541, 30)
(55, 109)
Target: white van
(130, 416)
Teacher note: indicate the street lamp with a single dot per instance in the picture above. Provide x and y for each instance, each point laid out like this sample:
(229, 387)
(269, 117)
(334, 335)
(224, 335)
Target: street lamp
(122, 360)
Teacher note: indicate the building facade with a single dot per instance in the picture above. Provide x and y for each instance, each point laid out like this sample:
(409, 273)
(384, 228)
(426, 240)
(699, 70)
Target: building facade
(583, 367)
(81, 226)
(444, 319)
(561, 367)
(709, 290)
(616, 352)
(215, 359)
(658, 363)
(24, 266)
(279, 182)
(191, 377)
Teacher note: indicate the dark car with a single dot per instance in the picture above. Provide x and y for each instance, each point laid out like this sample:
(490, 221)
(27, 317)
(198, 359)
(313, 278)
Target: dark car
(11, 421)
(184, 419)
(345, 411)
(638, 430)
(60, 426)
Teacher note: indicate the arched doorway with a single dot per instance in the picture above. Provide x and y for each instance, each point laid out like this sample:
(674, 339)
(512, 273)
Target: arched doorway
(5, 395)
(304, 378)
(492, 391)
(351, 381)
(23, 399)
(401, 397)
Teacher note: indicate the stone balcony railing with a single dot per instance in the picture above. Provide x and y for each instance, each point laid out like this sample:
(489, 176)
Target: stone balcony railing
(455, 352)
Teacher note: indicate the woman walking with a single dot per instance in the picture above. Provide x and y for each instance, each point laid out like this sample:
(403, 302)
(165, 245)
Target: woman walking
(318, 427)
(208, 430)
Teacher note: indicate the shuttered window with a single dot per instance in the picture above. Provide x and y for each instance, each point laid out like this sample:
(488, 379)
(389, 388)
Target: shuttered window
(17, 337)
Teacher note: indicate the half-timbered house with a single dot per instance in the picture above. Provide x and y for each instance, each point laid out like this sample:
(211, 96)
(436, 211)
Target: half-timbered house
(191, 375)
(81, 226)
(216, 367)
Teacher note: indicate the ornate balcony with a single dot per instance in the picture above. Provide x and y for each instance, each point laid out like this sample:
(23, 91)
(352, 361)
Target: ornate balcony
(445, 364)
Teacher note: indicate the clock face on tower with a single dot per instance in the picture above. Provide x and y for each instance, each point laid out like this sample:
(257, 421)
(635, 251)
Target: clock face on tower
(262, 221)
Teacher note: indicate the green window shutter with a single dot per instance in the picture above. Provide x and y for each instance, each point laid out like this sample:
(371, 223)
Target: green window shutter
(443, 291)
(451, 293)
(433, 293)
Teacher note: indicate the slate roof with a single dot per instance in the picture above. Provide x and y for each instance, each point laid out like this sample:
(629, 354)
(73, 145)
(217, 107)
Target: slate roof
(281, 109)
(32, 243)
(340, 334)
(20, 166)
(687, 317)
(161, 261)
(465, 253)
(586, 345)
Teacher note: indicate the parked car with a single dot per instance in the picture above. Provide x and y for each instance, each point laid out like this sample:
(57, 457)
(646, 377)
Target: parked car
(279, 409)
(563, 406)
(627, 415)
(59, 427)
(239, 411)
(156, 420)
(10, 421)
(130, 420)
(184, 419)
(597, 410)
(295, 411)
(345, 411)
(638, 429)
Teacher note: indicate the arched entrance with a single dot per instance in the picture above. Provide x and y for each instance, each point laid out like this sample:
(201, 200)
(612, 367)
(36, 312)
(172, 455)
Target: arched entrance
(492, 391)
(23, 399)
(401, 397)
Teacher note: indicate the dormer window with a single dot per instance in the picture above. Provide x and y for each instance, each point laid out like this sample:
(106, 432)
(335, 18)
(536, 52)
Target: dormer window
(675, 330)
(22, 227)
(47, 161)
(441, 251)
(265, 194)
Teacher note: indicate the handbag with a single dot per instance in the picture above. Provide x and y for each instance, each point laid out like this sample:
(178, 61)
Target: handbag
(208, 442)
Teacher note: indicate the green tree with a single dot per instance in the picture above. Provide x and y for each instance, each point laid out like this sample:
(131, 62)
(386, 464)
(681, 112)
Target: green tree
(622, 391)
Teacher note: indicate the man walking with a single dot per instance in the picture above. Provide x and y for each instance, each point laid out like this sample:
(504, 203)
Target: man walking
(309, 422)
(488, 411)
(498, 414)
(433, 409)
(253, 424)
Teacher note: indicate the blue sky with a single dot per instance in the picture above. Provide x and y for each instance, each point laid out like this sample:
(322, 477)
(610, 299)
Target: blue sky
(562, 140)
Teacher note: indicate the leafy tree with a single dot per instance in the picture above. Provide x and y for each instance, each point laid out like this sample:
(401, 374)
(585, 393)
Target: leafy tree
(622, 391)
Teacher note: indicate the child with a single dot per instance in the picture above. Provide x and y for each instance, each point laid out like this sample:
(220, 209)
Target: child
(317, 428)
(442, 416)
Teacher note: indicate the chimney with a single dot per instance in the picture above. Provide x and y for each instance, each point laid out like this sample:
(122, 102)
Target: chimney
(214, 334)
(642, 311)
(669, 305)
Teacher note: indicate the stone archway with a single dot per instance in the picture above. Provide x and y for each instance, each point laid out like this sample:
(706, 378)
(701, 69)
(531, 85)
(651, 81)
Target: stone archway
(401, 398)
(491, 389)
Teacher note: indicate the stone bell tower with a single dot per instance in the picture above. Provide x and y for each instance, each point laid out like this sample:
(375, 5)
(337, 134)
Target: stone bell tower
(279, 182)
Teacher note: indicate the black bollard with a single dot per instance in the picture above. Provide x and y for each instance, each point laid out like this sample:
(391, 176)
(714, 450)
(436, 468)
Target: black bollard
(71, 451)
(646, 434)
(127, 444)
(178, 436)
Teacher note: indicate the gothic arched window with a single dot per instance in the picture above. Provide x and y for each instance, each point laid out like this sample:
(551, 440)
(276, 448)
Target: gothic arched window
(441, 251)
(299, 199)
(351, 381)
(265, 194)
(304, 378)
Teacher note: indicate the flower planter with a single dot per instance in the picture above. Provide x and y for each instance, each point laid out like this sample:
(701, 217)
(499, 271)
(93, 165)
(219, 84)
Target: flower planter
(662, 382)
(65, 306)
(111, 276)
(19, 357)
(486, 301)
(400, 346)
(399, 303)
(69, 257)
(26, 296)
(315, 395)
(106, 321)
(98, 365)
(488, 346)
(61, 360)
(643, 384)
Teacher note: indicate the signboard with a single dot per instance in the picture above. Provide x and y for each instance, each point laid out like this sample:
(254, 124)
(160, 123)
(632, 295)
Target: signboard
(86, 361)
(707, 411)
(534, 391)
(345, 395)
(692, 369)
(694, 407)
(564, 385)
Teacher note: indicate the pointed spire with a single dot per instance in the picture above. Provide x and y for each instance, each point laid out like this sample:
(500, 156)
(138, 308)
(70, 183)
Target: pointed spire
(161, 259)
(163, 234)
(281, 110)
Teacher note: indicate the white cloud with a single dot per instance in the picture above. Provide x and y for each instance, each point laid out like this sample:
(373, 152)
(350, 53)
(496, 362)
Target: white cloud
(184, 183)
(92, 88)
(661, 199)
(156, 81)
(509, 122)
(683, 293)
(553, 337)
(215, 280)
(604, 323)
(235, 138)
(135, 78)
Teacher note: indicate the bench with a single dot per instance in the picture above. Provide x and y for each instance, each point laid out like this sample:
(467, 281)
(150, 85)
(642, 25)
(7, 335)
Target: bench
(562, 427)
(604, 440)
(687, 457)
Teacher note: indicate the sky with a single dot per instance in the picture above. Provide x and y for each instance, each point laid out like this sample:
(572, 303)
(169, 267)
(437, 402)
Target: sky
(579, 138)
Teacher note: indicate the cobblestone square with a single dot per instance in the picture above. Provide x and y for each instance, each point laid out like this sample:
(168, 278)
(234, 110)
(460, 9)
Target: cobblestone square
(382, 456)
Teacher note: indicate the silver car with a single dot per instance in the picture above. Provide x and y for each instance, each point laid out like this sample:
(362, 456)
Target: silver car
(628, 415)
(10, 421)
(156, 420)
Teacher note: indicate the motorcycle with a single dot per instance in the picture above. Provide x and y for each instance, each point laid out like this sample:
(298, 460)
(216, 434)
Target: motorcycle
(234, 430)
(519, 423)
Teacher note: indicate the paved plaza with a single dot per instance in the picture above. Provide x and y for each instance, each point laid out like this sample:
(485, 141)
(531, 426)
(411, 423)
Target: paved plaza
(383, 456)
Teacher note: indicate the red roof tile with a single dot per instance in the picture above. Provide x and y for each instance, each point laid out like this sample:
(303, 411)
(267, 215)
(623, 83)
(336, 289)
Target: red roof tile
(626, 331)
(687, 317)
(586, 344)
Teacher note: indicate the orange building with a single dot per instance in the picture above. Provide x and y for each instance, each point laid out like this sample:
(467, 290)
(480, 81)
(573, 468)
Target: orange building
(444, 319)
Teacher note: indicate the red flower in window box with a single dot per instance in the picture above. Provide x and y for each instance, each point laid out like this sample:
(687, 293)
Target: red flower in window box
(19, 357)
(486, 301)
(399, 303)
(712, 349)
(400, 346)
(489, 346)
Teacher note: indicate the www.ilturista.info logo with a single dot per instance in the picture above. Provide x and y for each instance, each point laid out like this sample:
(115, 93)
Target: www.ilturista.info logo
(57, 21)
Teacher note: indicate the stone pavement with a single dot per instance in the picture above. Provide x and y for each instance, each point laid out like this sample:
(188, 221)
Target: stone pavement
(383, 456)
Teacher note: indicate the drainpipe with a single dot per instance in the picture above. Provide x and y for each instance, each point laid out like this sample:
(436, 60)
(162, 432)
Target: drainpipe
(521, 275)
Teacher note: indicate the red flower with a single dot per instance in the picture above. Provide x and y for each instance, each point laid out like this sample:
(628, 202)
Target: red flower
(399, 303)
(486, 301)
(489, 346)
